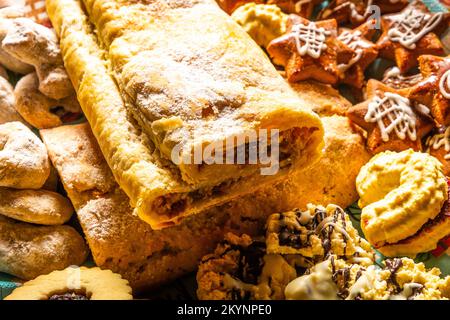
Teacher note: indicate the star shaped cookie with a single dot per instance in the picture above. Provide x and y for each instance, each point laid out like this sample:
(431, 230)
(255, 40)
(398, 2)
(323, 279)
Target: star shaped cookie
(434, 90)
(356, 12)
(303, 8)
(438, 145)
(352, 73)
(411, 33)
(310, 50)
(395, 79)
(392, 121)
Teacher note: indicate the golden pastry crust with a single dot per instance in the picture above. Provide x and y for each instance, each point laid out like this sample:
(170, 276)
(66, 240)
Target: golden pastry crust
(92, 283)
(147, 258)
(27, 251)
(35, 206)
(330, 180)
(325, 100)
(41, 111)
(155, 187)
(24, 161)
(399, 193)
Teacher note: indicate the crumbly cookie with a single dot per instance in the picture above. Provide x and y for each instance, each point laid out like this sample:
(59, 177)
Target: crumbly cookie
(398, 279)
(316, 233)
(239, 269)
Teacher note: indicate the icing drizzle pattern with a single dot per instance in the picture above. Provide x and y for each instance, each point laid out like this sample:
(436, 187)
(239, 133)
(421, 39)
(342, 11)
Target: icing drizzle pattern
(309, 39)
(411, 25)
(355, 42)
(444, 84)
(398, 113)
(440, 140)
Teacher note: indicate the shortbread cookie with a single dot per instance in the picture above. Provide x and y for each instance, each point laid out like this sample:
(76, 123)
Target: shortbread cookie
(75, 283)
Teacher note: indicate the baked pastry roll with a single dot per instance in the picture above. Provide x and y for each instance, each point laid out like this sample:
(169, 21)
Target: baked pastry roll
(125, 244)
(172, 78)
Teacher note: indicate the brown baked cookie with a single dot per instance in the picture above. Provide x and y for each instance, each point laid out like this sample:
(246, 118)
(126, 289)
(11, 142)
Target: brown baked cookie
(240, 269)
(27, 251)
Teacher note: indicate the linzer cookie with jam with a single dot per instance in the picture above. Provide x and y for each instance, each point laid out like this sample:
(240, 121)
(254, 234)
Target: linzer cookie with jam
(317, 233)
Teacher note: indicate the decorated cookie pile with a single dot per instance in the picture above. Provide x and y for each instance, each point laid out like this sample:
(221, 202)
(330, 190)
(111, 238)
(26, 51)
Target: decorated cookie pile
(339, 47)
(34, 239)
(312, 255)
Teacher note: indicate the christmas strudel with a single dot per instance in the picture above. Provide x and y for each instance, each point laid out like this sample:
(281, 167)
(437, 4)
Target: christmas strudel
(160, 80)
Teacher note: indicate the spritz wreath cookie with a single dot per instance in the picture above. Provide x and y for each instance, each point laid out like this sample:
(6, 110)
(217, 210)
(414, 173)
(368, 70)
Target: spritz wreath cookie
(263, 22)
(399, 194)
(75, 283)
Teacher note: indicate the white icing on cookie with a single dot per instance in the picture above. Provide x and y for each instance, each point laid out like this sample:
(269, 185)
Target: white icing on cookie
(355, 42)
(440, 140)
(353, 12)
(444, 84)
(411, 25)
(310, 39)
(396, 111)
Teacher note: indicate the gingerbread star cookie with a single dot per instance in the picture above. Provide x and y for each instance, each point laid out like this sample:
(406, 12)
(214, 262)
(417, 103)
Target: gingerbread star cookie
(303, 8)
(434, 90)
(392, 121)
(395, 79)
(352, 73)
(438, 145)
(310, 50)
(411, 33)
(356, 12)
